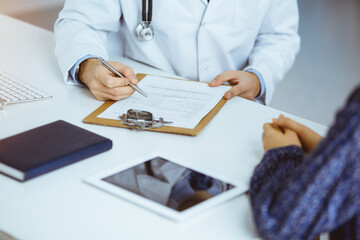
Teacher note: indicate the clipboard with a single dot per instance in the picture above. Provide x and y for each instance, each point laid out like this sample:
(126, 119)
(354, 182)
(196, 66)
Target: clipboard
(94, 119)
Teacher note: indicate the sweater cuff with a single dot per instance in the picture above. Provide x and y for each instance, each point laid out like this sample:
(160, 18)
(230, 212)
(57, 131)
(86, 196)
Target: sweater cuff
(277, 161)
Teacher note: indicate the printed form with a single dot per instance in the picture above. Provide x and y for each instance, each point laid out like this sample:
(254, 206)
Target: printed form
(182, 102)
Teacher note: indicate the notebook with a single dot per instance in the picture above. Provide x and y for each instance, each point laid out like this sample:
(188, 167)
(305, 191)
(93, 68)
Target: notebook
(48, 147)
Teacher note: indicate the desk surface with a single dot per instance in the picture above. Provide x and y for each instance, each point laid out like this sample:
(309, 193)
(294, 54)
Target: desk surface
(59, 205)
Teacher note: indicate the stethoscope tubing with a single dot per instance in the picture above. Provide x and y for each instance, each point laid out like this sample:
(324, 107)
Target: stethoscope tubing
(146, 14)
(144, 31)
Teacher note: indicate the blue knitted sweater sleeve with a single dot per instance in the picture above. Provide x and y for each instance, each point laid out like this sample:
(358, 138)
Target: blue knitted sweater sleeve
(298, 197)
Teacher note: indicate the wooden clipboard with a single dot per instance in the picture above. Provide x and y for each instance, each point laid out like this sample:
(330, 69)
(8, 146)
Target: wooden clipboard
(94, 119)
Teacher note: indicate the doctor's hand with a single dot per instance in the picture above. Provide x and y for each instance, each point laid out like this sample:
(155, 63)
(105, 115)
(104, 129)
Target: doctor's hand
(103, 84)
(245, 84)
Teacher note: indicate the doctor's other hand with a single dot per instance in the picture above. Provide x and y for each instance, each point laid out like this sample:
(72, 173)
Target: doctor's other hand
(309, 139)
(245, 84)
(102, 83)
(275, 137)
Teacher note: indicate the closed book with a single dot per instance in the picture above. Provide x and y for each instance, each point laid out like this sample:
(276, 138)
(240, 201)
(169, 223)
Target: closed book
(48, 147)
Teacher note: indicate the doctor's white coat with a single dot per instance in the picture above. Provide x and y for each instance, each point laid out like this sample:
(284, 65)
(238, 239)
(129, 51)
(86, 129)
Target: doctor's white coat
(193, 38)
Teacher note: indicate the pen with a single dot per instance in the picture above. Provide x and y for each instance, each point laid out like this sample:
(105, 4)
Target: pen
(113, 70)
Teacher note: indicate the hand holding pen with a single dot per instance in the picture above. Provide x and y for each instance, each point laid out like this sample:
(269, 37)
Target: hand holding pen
(113, 70)
(103, 83)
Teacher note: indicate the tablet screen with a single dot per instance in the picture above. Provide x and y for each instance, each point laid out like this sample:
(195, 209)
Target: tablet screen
(168, 183)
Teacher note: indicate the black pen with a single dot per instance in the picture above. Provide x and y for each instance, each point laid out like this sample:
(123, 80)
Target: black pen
(113, 70)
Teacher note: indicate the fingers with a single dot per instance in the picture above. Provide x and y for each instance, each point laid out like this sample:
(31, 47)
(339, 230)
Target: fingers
(274, 137)
(104, 78)
(246, 85)
(269, 136)
(237, 90)
(224, 77)
(270, 129)
(126, 71)
(107, 78)
(292, 137)
(289, 132)
(300, 129)
(103, 84)
(285, 122)
(309, 139)
(114, 94)
(267, 127)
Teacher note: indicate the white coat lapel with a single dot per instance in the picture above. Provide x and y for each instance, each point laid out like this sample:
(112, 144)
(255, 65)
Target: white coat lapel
(205, 2)
(212, 6)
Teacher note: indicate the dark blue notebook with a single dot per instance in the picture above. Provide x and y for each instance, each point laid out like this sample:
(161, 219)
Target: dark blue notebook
(46, 148)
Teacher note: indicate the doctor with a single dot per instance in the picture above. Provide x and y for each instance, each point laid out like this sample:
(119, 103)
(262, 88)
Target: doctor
(250, 44)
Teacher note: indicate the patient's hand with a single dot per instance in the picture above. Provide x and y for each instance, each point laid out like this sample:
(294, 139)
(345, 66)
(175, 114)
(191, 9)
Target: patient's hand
(274, 137)
(309, 139)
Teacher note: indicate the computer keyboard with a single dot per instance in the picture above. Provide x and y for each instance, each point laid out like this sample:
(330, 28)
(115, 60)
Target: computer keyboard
(12, 90)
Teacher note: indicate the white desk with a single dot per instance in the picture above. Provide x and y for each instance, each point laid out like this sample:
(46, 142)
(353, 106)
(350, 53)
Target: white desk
(59, 205)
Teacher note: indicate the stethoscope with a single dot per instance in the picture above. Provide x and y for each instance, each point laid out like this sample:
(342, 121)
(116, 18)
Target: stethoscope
(144, 31)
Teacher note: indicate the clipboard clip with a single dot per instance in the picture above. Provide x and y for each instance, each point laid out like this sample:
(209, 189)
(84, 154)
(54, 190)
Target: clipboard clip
(140, 120)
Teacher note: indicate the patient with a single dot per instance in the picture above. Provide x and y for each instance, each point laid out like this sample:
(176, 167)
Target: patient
(306, 185)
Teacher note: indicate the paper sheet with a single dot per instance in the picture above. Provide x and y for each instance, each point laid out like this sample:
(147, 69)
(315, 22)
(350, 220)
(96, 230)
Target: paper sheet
(184, 103)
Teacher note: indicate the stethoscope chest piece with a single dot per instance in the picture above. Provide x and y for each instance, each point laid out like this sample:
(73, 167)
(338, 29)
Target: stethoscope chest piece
(144, 31)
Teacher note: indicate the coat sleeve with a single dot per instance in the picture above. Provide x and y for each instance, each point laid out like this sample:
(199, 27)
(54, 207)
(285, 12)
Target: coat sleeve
(297, 197)
(82, 28)
(276, 44)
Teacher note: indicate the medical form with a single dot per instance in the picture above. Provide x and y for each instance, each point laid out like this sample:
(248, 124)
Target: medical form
(182, 102)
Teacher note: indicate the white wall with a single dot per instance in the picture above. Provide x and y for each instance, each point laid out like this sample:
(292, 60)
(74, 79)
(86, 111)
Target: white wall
(328, 65)
(17, 7)
(42, 13)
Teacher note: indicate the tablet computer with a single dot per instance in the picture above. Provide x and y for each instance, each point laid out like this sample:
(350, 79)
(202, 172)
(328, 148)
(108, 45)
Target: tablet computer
(165, 186)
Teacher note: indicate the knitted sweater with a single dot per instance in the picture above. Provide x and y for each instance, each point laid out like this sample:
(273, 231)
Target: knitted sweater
(298, 197)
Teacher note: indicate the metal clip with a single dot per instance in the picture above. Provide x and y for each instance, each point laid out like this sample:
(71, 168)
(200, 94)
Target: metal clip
(140, 120)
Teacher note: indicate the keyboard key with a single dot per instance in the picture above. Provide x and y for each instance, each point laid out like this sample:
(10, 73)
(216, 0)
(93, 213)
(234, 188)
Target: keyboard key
(14, 90)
